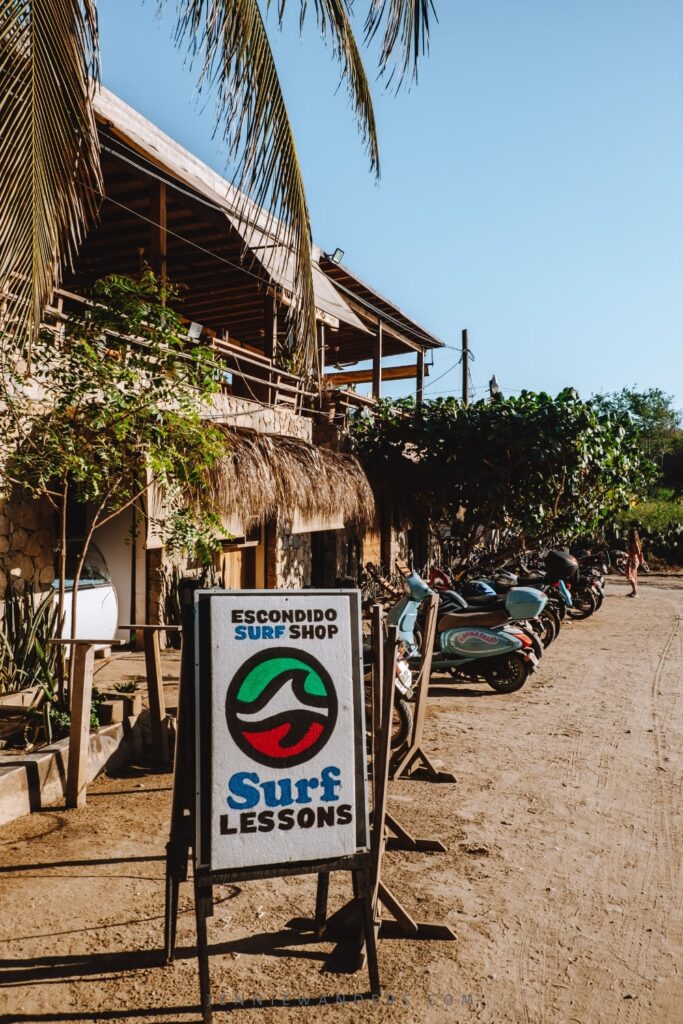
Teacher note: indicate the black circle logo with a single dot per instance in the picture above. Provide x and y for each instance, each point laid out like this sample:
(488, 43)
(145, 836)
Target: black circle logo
(281, 707)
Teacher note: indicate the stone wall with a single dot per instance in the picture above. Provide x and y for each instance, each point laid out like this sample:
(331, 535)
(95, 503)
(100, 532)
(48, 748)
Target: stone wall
(288, 559)
(27, 544)
(248, 415)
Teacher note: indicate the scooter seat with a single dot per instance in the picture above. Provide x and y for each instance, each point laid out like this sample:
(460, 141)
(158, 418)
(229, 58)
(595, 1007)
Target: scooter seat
(531, 581)
(485, 620)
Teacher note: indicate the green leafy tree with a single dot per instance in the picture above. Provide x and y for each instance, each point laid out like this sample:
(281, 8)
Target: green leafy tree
(49, 154)
(531, 466)
(651, 413)
(113, 408)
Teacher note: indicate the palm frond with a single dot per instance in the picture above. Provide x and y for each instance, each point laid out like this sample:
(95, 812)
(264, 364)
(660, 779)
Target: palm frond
(404, 25)
(238, 66)
(49, 157)
(333, 20)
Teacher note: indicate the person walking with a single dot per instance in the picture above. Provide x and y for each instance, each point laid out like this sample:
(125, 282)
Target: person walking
(635, 560)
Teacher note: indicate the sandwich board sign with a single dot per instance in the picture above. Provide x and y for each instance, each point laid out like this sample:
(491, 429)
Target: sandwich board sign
(280, 730)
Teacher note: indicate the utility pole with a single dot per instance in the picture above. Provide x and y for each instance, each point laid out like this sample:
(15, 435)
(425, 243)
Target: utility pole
(465, 370)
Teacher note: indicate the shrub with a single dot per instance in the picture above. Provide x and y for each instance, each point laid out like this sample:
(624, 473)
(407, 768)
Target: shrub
(26, 656)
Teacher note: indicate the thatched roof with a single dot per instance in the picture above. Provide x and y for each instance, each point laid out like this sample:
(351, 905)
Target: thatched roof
(263, 476)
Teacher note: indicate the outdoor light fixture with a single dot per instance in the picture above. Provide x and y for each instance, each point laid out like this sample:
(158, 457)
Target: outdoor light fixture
(337, 256)
(194, 331)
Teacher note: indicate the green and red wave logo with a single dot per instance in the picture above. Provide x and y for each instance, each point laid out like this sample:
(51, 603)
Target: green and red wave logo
(281, 707)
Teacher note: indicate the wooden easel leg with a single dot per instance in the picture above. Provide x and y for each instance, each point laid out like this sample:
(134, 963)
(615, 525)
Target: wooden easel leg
(370, 935)
(202, 902)
(404, 840)
(416, 761)
(176, 872)
(321, 903)
(171, 915)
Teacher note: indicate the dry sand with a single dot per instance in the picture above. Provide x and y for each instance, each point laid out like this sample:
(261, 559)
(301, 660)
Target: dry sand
(562, 878)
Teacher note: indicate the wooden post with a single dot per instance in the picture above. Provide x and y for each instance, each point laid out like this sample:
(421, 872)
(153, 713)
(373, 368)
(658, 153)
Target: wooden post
(80, 702)
(159, 247)
(377, 634)
(155, 684)
(79, 734)
(155, 693)
(465, 369)
(380, 768)
(415, 757)
(404, 922)
(270, 327)
(377, 364)
(321, 351)
(420, 386)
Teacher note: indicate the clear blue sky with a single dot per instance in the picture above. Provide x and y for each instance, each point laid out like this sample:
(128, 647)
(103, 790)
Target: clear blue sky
(531, 184)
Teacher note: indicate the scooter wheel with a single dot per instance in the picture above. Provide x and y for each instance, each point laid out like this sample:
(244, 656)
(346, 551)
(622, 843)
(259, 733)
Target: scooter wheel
(548, 627)
(585, 603)
(508, 674)
(401, 724)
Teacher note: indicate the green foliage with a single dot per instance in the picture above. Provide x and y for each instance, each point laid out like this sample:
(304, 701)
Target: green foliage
(129, 686)
(115, 408)
(119, 396)
(532, 466)
(659, 521)
(195, 530)
(26, 656)
(654, 514)
(652, 416)
(50, 719)
(672, 464)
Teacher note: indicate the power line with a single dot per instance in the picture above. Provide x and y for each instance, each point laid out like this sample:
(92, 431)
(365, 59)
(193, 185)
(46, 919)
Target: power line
(437, 379)
(150, 170)
(182, 238)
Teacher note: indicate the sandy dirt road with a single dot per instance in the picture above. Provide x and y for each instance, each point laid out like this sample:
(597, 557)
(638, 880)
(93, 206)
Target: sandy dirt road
(563, 877)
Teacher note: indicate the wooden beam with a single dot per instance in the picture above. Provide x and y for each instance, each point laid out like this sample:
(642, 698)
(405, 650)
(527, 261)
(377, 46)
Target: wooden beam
(404, 372)
(377, 364)
(390, 329)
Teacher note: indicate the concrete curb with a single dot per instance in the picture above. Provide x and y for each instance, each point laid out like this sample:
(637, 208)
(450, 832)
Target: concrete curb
(33, 781)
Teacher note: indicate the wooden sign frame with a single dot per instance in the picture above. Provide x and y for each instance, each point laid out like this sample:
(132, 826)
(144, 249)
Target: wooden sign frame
(185, 823)
(413, 761)
(402, 924)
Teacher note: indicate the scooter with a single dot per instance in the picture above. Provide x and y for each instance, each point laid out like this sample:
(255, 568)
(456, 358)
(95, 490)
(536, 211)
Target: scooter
(472, 644)
(489, 592)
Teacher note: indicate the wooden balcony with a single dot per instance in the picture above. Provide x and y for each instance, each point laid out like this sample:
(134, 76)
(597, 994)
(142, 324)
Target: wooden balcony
(250, 375)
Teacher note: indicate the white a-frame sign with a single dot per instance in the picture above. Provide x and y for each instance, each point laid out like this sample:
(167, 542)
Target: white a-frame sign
(280, 728)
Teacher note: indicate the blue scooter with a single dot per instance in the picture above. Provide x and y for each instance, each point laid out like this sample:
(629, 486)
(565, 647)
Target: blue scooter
(472, 643)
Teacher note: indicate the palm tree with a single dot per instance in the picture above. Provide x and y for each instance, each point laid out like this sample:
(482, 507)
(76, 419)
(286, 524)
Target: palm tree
(50, 178)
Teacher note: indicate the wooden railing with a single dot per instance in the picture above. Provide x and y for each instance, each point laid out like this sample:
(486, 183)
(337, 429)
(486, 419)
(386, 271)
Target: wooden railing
(257, 377)
(248, 374)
